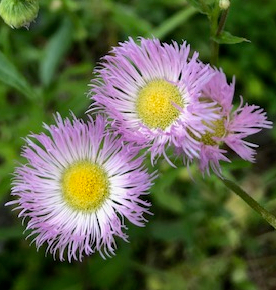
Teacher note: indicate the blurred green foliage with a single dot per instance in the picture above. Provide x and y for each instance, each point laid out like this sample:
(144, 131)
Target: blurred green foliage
(201, 236)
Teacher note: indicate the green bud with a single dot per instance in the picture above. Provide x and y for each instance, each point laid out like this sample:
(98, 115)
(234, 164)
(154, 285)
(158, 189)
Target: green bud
(17, 13)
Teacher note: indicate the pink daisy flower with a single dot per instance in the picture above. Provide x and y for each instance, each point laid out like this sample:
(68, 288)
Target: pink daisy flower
(151, 91)
(78, 186)
(230, 128)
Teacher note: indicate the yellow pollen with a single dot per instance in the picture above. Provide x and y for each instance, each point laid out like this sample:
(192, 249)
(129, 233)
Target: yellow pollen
(219, 131)
(85, 186)
(155, 104)
(217, 126)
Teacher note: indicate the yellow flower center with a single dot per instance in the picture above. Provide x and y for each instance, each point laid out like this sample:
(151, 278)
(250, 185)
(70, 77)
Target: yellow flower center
(217, 126)
(154, 104)
(85, 186)
(219, 131)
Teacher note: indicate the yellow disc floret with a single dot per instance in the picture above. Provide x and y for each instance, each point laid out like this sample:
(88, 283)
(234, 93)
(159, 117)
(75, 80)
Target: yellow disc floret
(155, 104)
(217, 126)
(219, 131)
(85, 186)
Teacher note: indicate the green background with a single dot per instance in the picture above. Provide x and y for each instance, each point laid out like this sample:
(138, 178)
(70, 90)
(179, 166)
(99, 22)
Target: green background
(201, 236)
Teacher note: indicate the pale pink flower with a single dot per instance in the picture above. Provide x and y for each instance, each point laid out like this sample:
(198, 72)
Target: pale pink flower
(78, 186)
(231, 128)
(150, 92)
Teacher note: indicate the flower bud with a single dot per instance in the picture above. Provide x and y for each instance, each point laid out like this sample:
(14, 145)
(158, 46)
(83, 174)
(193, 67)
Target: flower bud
(17, 13)
(224, 4)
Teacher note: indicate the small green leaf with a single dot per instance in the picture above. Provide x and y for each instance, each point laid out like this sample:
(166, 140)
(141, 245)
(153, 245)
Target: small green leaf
(55, 50)
(227, 38)
(10, 76)
(203, 6)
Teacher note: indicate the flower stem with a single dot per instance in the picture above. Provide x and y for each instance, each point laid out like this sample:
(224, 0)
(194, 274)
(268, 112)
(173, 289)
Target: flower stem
(270, 218)
(222, 21)
(217, 21)
(214, 52)
(214, 29)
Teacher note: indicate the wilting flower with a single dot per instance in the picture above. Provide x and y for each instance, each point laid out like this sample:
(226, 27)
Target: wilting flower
(151, 93)
(17, 13)
(232, 126)
(78, 186)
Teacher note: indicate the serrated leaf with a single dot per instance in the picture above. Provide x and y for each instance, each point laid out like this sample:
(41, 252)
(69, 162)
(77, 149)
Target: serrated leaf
(10, 76)
(227, 38)
(54, 51)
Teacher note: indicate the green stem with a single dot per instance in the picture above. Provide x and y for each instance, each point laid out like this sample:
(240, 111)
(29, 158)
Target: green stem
(214, 52)
(217, 20)
(270, 218)
(222, 21)
(214, 29)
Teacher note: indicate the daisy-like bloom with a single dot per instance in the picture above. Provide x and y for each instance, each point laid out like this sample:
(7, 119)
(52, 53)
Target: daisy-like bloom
(151, 93)
(232, 126)
(78, 186)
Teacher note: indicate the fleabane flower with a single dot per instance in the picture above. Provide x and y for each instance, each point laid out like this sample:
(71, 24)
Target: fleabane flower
(231, 128)
(151, 92)
(79, 185)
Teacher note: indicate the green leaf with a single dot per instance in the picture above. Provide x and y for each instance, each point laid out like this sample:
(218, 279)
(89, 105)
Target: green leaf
(227, 38)
(55, 50)
(10, 76)
(203, 6)
(11, 233)
(173, 22)
(167, 230)
(129, 21)
(72, 83)
(105, 275)
(165, 195)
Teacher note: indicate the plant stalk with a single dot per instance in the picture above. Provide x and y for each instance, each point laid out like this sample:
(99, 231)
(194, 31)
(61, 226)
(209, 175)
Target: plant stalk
(217, 21)
(270, 218)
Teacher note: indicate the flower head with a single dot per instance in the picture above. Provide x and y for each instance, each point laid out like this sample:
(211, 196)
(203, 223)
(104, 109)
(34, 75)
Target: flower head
(78, 186)
(17, 13)
(230, 128)
(151, 92)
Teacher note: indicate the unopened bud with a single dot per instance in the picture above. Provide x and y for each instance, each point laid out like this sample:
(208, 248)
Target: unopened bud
(224, 4)
(17, 13)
